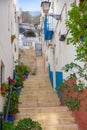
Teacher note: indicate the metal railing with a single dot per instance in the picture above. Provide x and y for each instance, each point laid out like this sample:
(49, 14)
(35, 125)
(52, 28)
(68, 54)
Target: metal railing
(1, 120)
(8, 105)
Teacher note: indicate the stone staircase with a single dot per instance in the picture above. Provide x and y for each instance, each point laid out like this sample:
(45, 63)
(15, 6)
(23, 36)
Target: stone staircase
(39, 102)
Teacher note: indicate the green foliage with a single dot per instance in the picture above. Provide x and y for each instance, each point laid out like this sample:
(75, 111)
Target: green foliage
(77, 24)
(13, 36)
(28, 124)
(7, 125)
(75, 86)
(13, 109)
(22, 69)
(14, 97)
(73, 103)
(22, 124)
(18, 83)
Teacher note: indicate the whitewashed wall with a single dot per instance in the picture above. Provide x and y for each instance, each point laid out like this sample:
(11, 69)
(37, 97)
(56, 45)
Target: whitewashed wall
(63, 53)
(6, 48)
(14, 29)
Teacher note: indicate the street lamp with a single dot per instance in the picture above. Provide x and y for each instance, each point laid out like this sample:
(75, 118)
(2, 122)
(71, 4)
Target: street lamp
(45, 6)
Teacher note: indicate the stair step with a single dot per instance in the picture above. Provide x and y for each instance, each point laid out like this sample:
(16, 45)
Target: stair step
(46, 115)
(62, 127)
(45, 109)
(52, 122)
(38, 105)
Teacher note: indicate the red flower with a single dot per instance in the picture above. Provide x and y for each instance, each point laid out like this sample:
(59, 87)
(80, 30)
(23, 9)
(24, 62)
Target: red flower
(11, 80)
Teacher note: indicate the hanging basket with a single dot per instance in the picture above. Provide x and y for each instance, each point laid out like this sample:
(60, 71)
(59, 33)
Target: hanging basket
(12, 38)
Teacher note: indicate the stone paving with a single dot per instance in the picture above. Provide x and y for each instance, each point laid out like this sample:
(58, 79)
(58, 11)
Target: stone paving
(39, 102)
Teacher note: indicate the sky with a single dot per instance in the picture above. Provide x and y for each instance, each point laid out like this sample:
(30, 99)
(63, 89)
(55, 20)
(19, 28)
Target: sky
(29, 5)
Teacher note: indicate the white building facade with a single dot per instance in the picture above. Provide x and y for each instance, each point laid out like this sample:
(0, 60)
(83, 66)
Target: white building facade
(57, 52)
(8, 50)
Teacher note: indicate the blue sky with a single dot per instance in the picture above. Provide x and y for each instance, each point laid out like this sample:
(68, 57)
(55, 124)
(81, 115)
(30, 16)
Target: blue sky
(29, 5)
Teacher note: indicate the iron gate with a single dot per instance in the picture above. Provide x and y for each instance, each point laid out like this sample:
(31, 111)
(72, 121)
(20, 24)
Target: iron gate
(38, 49)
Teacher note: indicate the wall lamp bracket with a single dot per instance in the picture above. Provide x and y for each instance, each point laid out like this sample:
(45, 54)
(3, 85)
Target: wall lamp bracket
(63, 36)
(56, 16)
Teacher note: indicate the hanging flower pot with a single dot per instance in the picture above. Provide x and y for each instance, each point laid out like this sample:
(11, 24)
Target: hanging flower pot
(13, 37)
(3, 89)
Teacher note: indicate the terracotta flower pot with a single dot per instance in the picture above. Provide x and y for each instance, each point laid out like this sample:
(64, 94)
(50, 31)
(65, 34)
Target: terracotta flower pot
(3, 89)
(12, 39)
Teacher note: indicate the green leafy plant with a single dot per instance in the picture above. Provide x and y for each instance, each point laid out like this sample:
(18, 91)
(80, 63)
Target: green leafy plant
(18, 83)
(13, 109)
(7, 125)
(22, 69)
(77, 24)
(74, 85)
(28, 124)
(27, 70)
(13, 36)
(22, 124)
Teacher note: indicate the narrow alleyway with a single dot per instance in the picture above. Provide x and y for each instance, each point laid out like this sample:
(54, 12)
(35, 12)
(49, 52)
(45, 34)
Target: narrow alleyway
(39, 102)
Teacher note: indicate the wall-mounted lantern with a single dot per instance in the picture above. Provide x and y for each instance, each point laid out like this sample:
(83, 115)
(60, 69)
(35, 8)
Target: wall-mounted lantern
(63, 36)
(45, 6)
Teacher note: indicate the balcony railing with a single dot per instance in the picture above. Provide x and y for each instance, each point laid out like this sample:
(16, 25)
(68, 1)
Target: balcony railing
(48, 32)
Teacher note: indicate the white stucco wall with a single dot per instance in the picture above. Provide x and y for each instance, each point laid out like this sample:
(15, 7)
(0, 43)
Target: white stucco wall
(14, 29)
(63, 53)
(6, 48)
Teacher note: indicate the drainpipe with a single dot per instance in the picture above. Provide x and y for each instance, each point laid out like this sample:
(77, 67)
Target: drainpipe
(54, 69)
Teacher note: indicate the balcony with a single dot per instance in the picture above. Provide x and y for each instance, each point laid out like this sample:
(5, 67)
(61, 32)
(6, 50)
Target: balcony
(48, 32)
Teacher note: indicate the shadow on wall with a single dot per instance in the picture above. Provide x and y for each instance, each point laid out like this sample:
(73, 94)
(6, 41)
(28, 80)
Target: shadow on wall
(59, 78)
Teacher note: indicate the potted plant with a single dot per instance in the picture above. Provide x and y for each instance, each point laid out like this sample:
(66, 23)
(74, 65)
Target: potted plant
(13, 37)
(13, 108)
(12, 112)
(7, 125)
(28, 124)
(26, 71)
(18, 85)
(20, 68)
(4, 88)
